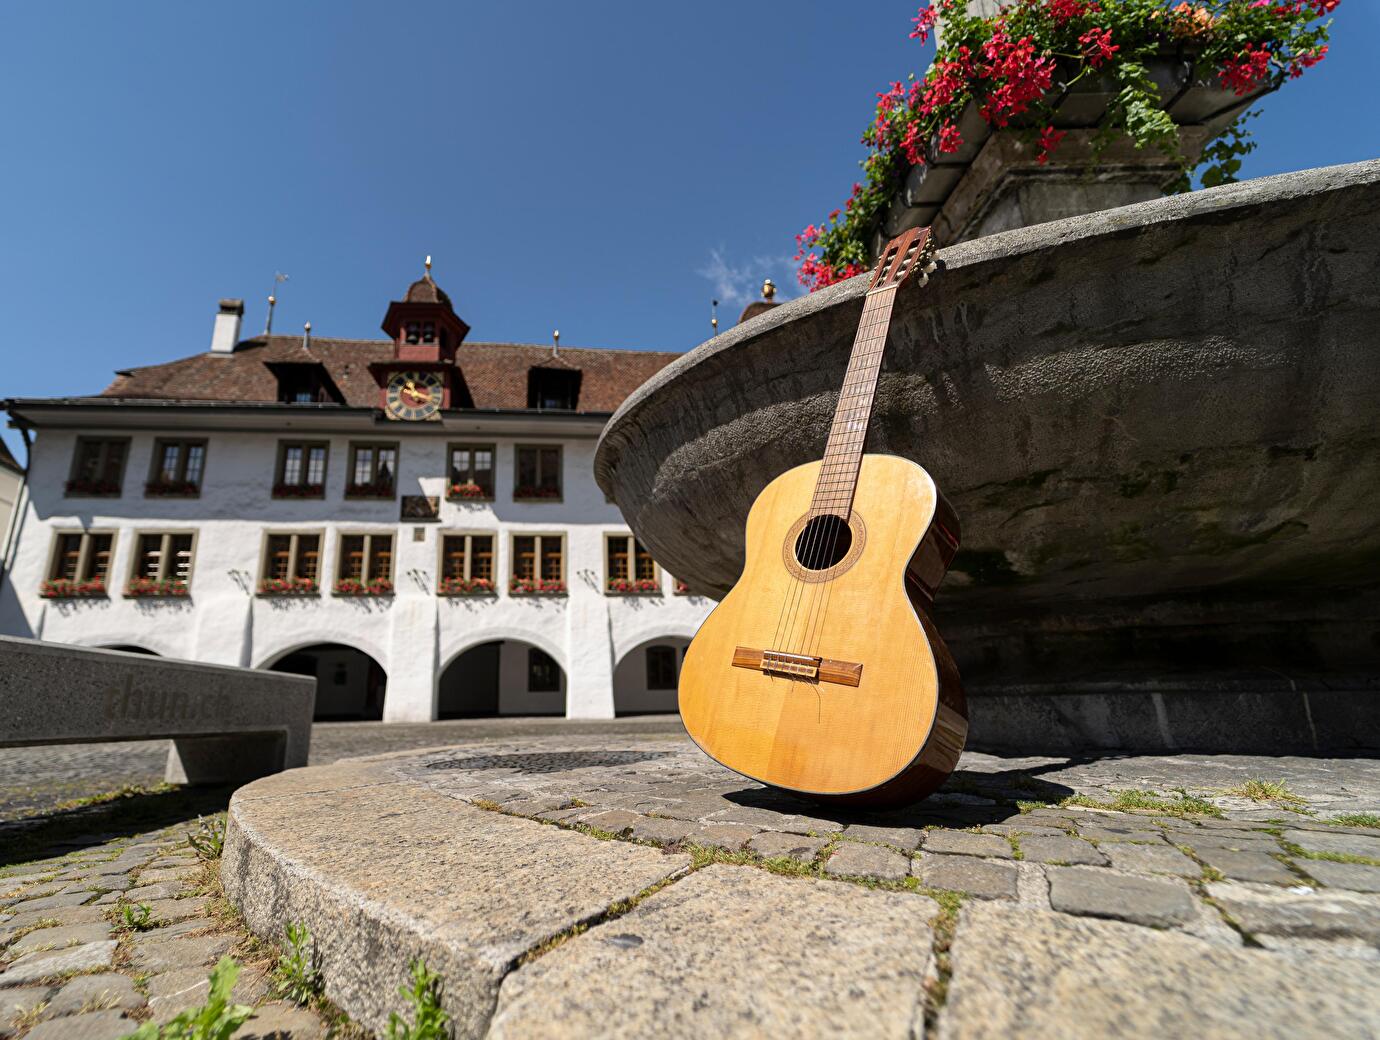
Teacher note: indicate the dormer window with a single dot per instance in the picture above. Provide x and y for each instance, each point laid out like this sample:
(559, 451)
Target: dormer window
(304, 383)
(553, 389)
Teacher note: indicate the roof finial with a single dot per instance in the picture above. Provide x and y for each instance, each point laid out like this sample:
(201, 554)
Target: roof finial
(278, 279)
(306, 335)
(714, 316)
(428, 265)
(768, 289)
(556, 343)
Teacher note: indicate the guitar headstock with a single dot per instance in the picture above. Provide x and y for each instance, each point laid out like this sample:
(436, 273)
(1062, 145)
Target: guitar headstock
(907, 252)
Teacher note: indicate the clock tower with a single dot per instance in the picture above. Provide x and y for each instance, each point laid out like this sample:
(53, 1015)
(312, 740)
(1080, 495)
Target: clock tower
(422, 377)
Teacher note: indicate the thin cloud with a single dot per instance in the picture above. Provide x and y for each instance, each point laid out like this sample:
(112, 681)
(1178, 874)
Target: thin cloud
(738, 283)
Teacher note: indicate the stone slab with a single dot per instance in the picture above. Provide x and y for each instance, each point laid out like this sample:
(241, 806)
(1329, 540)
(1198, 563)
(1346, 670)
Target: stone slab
(227, 724)
(1092, 892)
(1300, 912)
(771, 844)
(167, 954)
(1040, 849)
(962, 843)
(97, 1025)
(1246, 866)
(971, 876)
(107, 991)
(1345, 844)
(1358, 877)
(851, 859)
(37, 966)
(907, 839)
(782, 957)
(1150, 859)
(1025, 973)
(59, 938)
(468, 890)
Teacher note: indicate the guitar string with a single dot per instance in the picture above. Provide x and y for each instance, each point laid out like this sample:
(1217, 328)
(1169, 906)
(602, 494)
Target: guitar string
(866, 327)
(879, 306)
(853, 460)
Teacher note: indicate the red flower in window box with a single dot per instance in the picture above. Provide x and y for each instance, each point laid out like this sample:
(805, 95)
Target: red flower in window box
(83, 486)
(465, 587)
(142, 587)
(172, 489)
(634, 587)
(680, 588)
(535, 491)
(536, 587)
(357, 587)
(377, 489)
(282, 490)
(467, 490)
(63, 588)
(288, 587)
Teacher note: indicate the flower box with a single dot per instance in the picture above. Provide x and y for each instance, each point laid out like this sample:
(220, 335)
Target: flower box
(61, 588)
(463, 587)
(101, 488)
(532, 493)
(355, 587)
(680, 588)
(288, 587)
(638, 587)
(1151, 92)
(468, 492)
(378, 489)
(145, 588)
(536, 587)
(281, 490)
(171, 489)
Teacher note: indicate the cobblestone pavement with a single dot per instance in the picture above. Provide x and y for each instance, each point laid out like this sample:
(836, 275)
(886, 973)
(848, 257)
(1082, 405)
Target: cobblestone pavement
(35, 779)
(1051, 865)
(70, 968)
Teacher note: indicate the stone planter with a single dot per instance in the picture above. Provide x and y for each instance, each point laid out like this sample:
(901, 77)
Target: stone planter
(1156, 424)
(994, 183)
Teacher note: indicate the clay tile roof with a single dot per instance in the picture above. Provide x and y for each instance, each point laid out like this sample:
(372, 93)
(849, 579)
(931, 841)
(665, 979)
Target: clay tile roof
(496, 373)
(424, 290)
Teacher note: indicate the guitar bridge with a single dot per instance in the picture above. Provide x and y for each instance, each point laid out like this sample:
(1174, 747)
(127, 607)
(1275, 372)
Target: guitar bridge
(798, 666)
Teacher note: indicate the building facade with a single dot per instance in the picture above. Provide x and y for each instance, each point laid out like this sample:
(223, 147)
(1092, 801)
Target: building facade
(414, 521)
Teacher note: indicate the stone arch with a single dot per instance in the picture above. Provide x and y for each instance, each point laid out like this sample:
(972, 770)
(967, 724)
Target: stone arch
(645, 675)
(266, 658)
(145, 643)
(502, 672)
(350, 682)
(131, 648)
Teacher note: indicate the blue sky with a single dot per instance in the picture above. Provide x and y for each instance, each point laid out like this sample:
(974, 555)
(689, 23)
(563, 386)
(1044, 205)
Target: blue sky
(604, 169)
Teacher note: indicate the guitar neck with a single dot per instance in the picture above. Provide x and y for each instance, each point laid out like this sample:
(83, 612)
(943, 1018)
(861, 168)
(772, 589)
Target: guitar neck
(838, 476)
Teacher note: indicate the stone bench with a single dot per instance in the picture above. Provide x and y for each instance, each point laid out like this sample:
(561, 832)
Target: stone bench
(226, 724)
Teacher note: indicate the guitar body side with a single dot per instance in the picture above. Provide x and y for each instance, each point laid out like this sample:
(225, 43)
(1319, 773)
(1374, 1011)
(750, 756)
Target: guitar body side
(895, 736)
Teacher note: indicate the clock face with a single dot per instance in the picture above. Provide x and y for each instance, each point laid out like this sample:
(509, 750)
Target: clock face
(413, 395)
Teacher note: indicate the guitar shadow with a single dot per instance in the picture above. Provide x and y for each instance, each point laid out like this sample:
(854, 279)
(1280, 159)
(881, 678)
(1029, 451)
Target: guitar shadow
(968, 798)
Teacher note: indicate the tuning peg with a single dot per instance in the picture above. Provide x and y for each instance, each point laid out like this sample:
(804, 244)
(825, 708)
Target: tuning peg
(930, 267)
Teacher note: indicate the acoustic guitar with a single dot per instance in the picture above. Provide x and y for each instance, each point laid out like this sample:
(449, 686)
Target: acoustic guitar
(821, 672)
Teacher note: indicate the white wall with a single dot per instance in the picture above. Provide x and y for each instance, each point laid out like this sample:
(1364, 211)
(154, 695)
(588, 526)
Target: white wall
(412, 634)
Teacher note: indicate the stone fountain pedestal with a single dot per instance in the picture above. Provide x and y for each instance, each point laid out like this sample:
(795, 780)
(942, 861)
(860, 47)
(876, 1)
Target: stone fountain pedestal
(1158, 426)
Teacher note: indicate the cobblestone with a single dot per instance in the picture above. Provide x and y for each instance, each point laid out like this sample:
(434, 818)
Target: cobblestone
(1061, 850)
(1150, 859)
(907, 839)
(962, 843)
(1246, 866)
(1101, 893)
(1358, 877)
(967, 874)
(870, 861)
(769, 844)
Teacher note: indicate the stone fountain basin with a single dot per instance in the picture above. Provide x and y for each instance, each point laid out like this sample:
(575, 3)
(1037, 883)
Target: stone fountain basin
(1157, 424)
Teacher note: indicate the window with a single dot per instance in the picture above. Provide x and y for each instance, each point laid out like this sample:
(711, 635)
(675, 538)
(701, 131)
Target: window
(467, 564)
(661, 668)
(628, 566)
(471, 471)
(538, 472)
(162, 564)
(373, 471)
(98, 466)
(538, 564)
(420, 332)
(543, 673)
(300, 383)
(301, 470)
(292, 564)
(177, 468)
(553, 388)
(365, 567)
(80, 564)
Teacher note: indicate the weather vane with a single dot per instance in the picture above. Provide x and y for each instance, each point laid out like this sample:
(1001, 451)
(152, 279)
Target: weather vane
(714, 315)
(278, 279)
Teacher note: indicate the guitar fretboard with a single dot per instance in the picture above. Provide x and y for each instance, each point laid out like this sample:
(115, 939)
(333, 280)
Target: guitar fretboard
(838, 476)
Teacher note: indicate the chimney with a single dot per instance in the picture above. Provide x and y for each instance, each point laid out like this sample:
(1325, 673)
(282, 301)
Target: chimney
(226, 332)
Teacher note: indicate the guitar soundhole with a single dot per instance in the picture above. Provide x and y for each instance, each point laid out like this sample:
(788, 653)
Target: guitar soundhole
(824, 541)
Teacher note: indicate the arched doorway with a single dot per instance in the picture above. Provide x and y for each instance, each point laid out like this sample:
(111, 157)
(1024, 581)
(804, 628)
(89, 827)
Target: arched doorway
(349, 683)
(504, 677)
(644, 683)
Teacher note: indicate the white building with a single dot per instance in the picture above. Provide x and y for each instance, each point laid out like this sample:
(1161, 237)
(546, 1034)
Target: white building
(414, 521)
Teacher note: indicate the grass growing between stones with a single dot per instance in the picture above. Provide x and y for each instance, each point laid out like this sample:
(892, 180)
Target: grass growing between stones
(106, 797)
(298, 972)
(1183, 805)
(1299, 852)
(937, 988)
(1355, 819)
(429, 1019)
(217, 1019)
(1260, 790)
